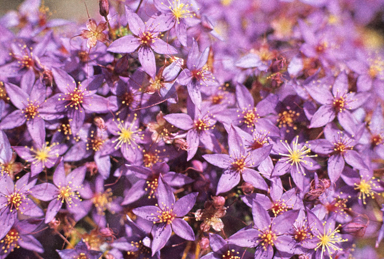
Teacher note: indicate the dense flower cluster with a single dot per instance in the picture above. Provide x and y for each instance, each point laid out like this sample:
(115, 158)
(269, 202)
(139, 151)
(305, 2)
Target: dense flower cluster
(193, 129)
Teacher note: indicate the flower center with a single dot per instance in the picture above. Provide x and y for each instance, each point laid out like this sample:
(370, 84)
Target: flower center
(151, 188)
(201, 75)
(14, 200)
(249, 117)
(9, 242)
(328, 241)
(321, 47)
(141, 250)
(203, 124)
(342, 144)
(365, 189)
(74, 98)
(339, 104)
(376, 68)
(95, 143)
(101, 201)
(26, 61)
(296, 155)
(287, 119)
(279, 207)
(376, 140)
(338, 206)
(127, 99)
(127, 135)
(231, 254)
(259, 140)
(180, 10)
(239, 164)
(268, 238)
(147, 38)
(166, 216)
(43, 154)
(302, 233)
(82, 256)
(151, 158)
(67, 194)
(31, 110)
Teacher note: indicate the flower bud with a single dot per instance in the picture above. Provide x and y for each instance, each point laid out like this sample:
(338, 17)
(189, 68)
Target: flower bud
(104, 7)
(204, 243)
(218, 201)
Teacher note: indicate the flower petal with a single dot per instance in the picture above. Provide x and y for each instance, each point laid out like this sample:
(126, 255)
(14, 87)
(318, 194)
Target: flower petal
(161, 234)
(183, 229)
(147, 60)
(228, 180)
(126, 44)
(185, 204)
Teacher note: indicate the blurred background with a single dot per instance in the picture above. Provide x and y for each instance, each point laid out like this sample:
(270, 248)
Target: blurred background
(73, 10)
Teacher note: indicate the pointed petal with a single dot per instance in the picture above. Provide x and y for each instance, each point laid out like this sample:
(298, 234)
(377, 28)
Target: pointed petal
(341, 84)
(126, 44)
(193, 143)
(245, 238)
(165, 196)
(260, 216)
(253, 177)
(353, 158)
(53, 208)
(335, 167)
(183, 229)
(36, 128)
(322, 116)
(159, 46)
(219, 160)
(149, 213)
(147, 60)
(18, 97)
(181, 120)
(161, 234)
(347, 122)
(64, 82)
(136, 25)
(228, 180)
(185, 204)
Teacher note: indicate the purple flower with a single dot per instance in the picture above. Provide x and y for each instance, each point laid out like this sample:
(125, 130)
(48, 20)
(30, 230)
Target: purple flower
(339, 145)
(76, 99)
(338, 103)
(196, 74)
(81, 250)
(266, 234)
(41, 155)
(30, 101)
(149, 180)
(221, 249)
(13, 199)
(370, 69)
(7, 158)
(295, 160)
(20, 236)
(239, 163)
(198, 130)
(98, 200)
(128, 137)
(325, 235)
(175, 13)
(136, 241)
(167, 216)
(65, 189)
(145, 38)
